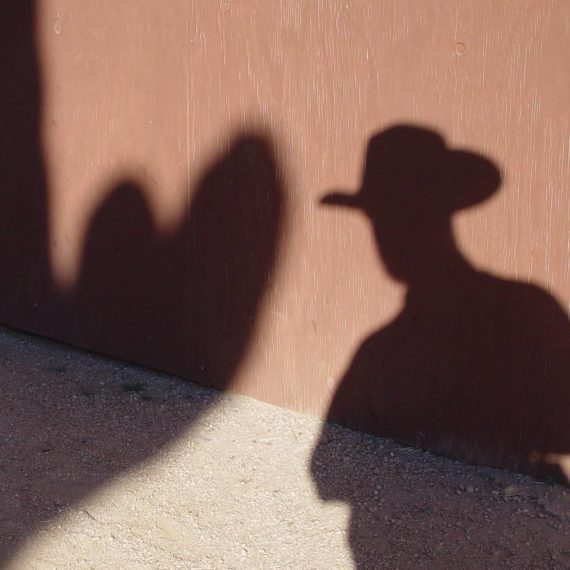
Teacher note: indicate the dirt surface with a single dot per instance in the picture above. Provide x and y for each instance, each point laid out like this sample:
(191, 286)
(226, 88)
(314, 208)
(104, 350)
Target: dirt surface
(106, 465)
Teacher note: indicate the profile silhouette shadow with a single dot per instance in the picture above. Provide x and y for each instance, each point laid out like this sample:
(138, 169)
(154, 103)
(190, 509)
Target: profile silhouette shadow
(473, 366)
(187, 301)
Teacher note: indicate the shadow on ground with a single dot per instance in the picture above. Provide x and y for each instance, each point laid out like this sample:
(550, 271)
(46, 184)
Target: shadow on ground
(66, 431)
(411, 509)
(235, 491)
(186, 300)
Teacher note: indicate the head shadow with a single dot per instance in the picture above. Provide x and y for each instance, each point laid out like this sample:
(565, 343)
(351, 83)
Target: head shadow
(412, 185)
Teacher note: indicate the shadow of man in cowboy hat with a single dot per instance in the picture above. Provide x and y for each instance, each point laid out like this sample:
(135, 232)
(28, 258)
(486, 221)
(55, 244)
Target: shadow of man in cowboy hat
(473, 366)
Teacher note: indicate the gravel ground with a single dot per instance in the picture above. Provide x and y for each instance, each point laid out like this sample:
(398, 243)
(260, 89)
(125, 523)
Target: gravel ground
(107, 465)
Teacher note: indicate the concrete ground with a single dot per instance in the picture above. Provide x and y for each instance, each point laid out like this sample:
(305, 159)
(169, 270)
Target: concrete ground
(107, 465)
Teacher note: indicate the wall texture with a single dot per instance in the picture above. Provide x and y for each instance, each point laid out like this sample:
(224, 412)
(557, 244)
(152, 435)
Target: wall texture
(162, 168)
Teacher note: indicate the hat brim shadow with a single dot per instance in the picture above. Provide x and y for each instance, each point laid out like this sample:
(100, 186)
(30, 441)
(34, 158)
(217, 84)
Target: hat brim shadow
(338, 198)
